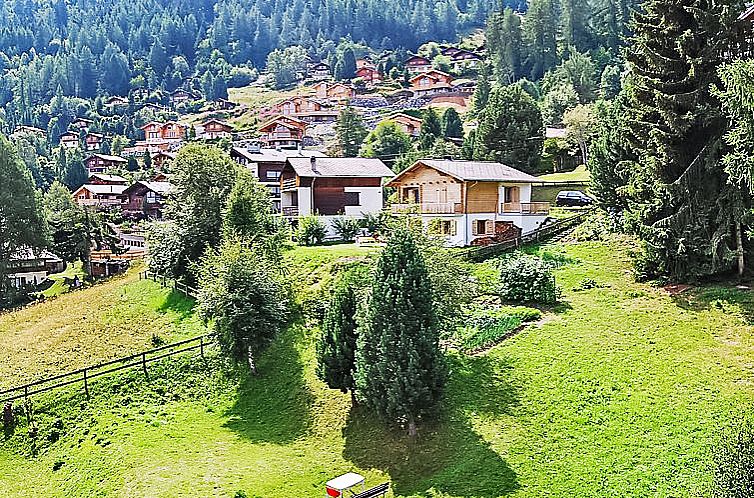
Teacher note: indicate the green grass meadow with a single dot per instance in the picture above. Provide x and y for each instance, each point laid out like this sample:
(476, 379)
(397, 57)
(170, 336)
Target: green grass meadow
(617, 391)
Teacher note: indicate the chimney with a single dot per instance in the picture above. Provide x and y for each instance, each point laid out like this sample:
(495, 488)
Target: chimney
(313, 161)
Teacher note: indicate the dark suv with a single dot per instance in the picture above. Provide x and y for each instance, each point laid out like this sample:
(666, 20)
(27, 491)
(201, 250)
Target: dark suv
(573, 198)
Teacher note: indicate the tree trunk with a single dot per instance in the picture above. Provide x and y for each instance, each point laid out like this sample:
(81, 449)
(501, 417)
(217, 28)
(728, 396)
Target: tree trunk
(739, 250)
(354, 401)
(250, 359)
(412, 430)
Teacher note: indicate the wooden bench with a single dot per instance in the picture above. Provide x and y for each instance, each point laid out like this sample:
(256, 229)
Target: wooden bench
(376, 491)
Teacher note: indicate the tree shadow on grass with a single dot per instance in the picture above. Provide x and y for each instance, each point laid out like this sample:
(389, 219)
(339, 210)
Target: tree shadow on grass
(705, 298)
(449, 456)
(176, 302)
(275, 405)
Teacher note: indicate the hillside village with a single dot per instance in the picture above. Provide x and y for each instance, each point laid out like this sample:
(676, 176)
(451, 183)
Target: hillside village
(376, 249)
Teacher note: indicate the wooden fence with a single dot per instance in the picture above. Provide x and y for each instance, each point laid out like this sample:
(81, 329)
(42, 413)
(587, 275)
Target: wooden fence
(164, 281)
(541, 234)
(84, 375)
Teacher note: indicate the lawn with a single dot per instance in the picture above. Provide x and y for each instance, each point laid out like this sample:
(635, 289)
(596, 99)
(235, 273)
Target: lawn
(618, 391)
(580, 174)
(59, 286)
(108, 320)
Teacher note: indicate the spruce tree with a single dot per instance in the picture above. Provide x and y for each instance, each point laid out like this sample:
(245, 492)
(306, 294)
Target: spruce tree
(400, 372)
(350, 132)
(482, 92)
(431, 129)
(687, 210)
(336, 347)
(505, 39)
(452, 126)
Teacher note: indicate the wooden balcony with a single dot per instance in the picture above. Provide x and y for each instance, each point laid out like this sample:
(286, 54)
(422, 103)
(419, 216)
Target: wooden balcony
(289, 185)
(428, 208)
(538, 208)
(291, 211)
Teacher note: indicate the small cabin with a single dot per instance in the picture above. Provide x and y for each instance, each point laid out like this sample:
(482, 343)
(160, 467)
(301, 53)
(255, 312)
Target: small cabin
(146, 199)
(99, 163)
(282, 131)
(215, 129)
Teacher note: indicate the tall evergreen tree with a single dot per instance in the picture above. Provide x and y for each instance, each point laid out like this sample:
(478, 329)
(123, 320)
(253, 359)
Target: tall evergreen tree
(400, 372)
(452, 126)
(505, 40)
(336, 347)
(540, 31)
(350, 132)
(687, 209)
(431, 129)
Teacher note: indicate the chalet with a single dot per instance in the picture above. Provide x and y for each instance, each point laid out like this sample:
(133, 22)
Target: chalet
(282, 131)
(409, 124)
(469, 202)
(267, 165)
(28, 130)
(116, 101)
(146, 199)
(180, 95)
(308, 109)
(418, 64)
(320, 71)
(99, 163)
(103, 179)
(461, 58)
(430, 82)
(81, 124)
(100, 195)
(93, 141)
(164, 132)
(214, 129)
(69, 140)
(224, 105)
(555, 132)
(154, 107)
(161, 158)
(334, 91)
(331, 187)
(369, 74)
(31, 267)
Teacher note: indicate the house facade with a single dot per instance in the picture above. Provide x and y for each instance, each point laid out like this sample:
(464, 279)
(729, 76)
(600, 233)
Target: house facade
(469, 202)
(282, 131)
(320, 71)
(331, 187)
(215, 129)
(69, 140)
(93, 141)
(429, 82)
(418, 64)
(100, 195)
(171, 131)
(32, 266)
(267, 165)
(99, 163)
(146, 199)
(409, 124)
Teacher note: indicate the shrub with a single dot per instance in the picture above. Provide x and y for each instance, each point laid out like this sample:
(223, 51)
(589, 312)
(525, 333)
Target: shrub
(346, 228)
(484, 326)
(527, 279)
(373, 222)
(311, 231)
(734, 461)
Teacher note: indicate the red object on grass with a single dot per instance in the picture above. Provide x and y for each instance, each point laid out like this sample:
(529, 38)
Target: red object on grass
(333, 492)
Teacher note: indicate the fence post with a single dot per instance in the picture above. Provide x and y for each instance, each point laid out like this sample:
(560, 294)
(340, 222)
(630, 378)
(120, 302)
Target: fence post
(201, 345)
(86, 385)
(144, 364)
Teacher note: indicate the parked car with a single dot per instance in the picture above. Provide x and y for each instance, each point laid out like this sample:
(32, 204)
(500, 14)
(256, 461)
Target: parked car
(573, 198)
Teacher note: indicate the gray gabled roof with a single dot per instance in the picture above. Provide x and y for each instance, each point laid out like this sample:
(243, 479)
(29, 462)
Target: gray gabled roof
(479, 171)
(340, 167)
(274, 155)
(103, 189)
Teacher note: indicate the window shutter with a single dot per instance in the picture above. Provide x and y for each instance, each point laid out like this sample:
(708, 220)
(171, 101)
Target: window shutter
(453, 227)
(473, 228)
(489, 227)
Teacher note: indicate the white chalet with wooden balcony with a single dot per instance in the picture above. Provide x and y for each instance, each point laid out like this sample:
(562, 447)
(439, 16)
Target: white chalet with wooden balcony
(470, 202)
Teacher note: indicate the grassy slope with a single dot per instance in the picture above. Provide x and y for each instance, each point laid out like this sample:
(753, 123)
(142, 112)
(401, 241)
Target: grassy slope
(580, 174)
(108, 320)
(59, 286)
(617, 394)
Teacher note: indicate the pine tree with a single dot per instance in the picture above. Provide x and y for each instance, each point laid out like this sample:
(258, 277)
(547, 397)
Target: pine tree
(431, 129)
(482, 91)
(540, 32)
(336, 347)
(350, 132)
(452, 126)
(400, 372)
(505, 39)
(686, 208)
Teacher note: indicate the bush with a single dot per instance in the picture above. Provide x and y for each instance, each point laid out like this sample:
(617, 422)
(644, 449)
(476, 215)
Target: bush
(527, 279)
(346, 228)
(734, 461)
(485, 327)
(373, 222)
(311, 231)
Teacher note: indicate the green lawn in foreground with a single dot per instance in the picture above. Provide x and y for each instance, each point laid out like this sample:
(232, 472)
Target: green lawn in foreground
(618, 392)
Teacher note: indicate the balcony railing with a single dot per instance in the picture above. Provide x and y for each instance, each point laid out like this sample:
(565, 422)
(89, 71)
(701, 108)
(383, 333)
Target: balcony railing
(289, 184)
(290, 211)
(525, 207)
(428, 208)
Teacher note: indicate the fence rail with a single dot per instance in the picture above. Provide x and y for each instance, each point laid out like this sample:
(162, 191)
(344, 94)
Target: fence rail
(87, 373)
(186, 289)
(541, 234)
